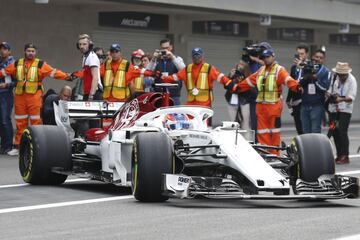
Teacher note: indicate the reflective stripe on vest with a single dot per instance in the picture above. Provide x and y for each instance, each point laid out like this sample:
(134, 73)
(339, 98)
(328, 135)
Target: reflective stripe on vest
(116, 85)
(139, 82)
(27, 79)
(202, 84)
(268, 90)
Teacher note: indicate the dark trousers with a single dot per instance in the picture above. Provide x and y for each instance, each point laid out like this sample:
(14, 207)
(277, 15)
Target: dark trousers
(340, 133)
(6, 128)
(253, 118)
(297, 119)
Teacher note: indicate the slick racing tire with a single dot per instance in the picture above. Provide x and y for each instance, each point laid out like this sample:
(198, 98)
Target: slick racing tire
(152, 156)
(42, 148)
(315, 156)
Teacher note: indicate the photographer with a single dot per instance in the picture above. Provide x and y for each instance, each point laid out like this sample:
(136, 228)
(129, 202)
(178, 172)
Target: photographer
(341, 94)
(315, 82)
(239, 107)
(293, 99)
(166, 63)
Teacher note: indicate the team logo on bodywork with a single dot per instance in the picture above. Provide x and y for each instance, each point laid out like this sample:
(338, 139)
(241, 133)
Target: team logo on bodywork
(127, 116)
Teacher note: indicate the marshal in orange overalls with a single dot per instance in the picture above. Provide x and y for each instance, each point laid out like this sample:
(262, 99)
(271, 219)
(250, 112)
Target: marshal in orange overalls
(199, 80)
(269, 80)
(29, 89)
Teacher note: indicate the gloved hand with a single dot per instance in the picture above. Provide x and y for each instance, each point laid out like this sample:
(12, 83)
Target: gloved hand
(232, 87)
(68, 77)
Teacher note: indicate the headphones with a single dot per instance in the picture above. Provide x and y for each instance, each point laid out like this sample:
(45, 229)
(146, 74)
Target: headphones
(85, 36)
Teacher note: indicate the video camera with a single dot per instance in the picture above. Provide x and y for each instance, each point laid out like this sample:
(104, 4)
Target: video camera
(253, 50)
(238, 74)
(309, 67)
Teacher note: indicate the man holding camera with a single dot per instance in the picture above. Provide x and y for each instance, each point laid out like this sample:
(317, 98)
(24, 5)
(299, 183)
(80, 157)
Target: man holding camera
(239, 104)
(293, 99)
(165, 63)
(315, 81)
(342, 94)
(268, 80)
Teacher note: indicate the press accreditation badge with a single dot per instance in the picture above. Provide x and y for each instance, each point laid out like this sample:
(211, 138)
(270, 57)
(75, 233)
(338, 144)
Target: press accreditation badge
(311, 89)
(234, 99)
(195, 91)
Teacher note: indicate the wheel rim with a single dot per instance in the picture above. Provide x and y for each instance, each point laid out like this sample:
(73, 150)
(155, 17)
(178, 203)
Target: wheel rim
(25, 156)
(134, 169)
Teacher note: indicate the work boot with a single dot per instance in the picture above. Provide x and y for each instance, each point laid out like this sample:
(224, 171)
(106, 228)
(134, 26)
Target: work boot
(343, 160)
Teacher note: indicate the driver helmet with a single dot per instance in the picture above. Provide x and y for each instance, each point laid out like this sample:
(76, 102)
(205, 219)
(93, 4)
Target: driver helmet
(177, 121)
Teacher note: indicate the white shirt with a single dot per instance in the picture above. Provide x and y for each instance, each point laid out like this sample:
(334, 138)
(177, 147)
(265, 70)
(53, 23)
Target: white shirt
(91, 60)
(348, 89)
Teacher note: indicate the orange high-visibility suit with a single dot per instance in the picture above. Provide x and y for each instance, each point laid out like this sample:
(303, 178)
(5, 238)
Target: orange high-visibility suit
(118, 78)
(199, 80)
(29, 89)
(269, 80)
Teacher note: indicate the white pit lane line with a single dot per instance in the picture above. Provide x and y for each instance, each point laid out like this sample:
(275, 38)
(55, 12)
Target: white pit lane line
(64, 204)
(106, 199)
(352, 237)
(27, 184)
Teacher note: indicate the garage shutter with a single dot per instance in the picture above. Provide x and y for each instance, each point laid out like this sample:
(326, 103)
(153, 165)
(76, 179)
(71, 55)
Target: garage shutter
(223, 53)
(129, 41)
(351, 55)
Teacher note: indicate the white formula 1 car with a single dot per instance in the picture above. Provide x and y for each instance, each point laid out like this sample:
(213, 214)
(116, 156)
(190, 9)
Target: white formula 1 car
(161, 157)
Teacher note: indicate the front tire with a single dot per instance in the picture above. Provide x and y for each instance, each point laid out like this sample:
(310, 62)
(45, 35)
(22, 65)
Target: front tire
(314, 155)
(42, 148)
(152, 156)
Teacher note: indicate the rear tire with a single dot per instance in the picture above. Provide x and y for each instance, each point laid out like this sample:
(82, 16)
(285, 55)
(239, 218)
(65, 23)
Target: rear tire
(315, 156)
(152, 156)
(42, 148)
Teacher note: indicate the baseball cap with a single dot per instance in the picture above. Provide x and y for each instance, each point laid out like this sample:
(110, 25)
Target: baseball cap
(5, 45)
(265, 45)
(197, 51)
(29, 45)
(115, 46)
(267, 53)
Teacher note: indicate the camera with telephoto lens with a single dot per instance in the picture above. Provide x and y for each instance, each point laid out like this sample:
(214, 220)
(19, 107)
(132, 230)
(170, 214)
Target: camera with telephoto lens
(333, 97)
(253, 50)
(309, 67)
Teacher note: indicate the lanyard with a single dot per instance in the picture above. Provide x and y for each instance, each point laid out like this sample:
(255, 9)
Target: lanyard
(26, 70)
(195, 80)
(342, 90)
(164, 66)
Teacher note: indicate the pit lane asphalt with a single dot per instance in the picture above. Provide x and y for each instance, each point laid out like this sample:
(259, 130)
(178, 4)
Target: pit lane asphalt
(125, 218)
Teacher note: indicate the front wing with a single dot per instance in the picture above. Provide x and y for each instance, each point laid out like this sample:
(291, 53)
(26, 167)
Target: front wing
(327, 187)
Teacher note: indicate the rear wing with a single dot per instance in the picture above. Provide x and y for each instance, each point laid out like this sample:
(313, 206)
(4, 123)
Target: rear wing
(90, 110)
(66, 110)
